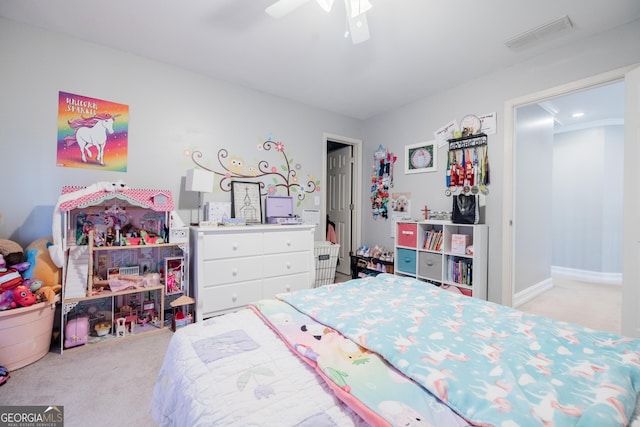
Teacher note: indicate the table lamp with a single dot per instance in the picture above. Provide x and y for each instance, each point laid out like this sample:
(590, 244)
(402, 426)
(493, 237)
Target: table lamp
(199, 180)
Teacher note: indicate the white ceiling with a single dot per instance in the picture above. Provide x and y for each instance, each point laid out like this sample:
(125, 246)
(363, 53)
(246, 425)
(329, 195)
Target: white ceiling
(417, 47)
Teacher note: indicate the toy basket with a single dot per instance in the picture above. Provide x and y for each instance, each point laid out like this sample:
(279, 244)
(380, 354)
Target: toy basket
(326, 256)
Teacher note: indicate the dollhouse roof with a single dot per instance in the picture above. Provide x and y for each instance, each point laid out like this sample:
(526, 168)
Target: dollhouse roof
(157, 200)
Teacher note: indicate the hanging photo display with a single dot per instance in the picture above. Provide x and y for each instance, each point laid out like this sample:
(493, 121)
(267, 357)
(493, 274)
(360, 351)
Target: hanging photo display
(381, 181)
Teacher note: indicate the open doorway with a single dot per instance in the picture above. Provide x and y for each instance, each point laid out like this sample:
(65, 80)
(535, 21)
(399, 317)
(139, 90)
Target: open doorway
(342, 160)
(568, 157)
(567, 169)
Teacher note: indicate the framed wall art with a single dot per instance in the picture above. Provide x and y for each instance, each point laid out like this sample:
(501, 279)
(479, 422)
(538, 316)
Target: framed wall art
(246, 201)
(421, 157)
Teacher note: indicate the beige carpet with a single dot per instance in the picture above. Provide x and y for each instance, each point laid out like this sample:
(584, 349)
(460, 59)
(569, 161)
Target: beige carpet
(98, 385)
(593, 305)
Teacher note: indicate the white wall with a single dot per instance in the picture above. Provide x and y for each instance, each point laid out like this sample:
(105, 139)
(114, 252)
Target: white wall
(587, 199)
(170, 110)
(533, 155)
(417, 122)
(173, 109)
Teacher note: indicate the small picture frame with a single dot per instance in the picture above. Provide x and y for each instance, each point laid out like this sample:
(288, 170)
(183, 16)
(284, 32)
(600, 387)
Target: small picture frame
(246, 201)
(421, 157)
(174, 275)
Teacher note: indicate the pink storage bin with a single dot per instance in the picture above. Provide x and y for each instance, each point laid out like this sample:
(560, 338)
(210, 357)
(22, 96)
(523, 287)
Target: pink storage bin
(25, 334)
(407, 235)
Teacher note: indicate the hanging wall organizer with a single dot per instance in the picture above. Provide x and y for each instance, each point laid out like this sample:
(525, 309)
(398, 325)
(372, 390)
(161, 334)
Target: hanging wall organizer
(468, 165)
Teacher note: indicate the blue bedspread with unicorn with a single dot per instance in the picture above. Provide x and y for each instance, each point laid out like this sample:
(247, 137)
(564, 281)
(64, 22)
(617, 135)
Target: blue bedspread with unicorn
(494, 365)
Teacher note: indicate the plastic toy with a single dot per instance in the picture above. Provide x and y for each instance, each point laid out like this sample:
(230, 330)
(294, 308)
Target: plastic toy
(77, 332)
(4, 375)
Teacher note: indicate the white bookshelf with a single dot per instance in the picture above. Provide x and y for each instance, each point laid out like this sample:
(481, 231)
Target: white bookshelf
(463, 265)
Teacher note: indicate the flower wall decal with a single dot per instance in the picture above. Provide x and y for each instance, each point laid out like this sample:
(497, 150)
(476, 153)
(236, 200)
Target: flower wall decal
(284, 178)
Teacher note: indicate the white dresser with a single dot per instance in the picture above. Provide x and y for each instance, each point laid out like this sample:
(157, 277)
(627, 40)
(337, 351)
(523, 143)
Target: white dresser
(233, 266)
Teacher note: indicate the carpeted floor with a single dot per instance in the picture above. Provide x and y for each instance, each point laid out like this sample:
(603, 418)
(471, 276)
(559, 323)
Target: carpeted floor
(597, 306)
(98, 385)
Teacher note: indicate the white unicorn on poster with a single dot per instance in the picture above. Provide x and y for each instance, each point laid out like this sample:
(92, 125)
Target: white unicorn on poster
(91, 132)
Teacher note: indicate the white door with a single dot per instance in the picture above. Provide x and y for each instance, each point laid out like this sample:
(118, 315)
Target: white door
(631, 207)
(339, 204)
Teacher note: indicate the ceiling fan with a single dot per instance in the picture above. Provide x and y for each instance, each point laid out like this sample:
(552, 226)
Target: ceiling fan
(357, 26)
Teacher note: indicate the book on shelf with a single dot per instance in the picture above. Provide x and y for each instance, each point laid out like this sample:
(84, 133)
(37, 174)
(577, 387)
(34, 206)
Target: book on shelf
(460, 271)
(433, 240)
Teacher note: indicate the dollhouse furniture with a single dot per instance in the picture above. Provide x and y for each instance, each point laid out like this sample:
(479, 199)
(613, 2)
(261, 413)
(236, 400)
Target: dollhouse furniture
(237, 265)
(179, 305)
(117, 246)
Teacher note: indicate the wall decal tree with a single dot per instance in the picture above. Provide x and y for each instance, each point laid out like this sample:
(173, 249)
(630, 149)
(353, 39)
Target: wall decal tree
(273, 178)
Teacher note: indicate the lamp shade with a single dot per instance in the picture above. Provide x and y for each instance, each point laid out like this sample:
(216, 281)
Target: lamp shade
(199, 180)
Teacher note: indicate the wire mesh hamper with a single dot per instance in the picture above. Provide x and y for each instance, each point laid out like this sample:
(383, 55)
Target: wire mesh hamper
(326, 256)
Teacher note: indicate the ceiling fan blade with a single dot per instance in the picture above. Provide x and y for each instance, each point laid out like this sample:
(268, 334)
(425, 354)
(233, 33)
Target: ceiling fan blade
(284, 7)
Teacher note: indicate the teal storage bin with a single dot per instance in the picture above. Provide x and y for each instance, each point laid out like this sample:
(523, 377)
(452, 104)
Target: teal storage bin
(406, 261)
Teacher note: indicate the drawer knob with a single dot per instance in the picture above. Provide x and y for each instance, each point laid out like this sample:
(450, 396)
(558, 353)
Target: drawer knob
(288, 242)
(288, 288)
(234, 297)
(234, 272)
(234, 247)
(429, 263)
(288, 266)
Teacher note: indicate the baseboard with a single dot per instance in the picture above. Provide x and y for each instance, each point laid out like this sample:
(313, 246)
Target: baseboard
(531, 292)
(587, 276)
(522, 297)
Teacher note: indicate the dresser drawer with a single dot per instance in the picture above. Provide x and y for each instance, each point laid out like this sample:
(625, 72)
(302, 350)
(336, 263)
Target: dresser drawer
(406, 261)
(220, 298)
(278, 285)
(230, 270)
(285, 264)
(216, 245)
(276, 242)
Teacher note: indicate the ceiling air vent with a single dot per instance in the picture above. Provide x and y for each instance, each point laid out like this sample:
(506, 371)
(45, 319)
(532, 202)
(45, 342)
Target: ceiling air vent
(537, 34)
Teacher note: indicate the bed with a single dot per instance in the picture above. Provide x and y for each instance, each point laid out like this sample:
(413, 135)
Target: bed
(392, 350)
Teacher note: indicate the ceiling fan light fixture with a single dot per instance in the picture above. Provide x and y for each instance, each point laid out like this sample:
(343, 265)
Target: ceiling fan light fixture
(326, 5)
(358, 7)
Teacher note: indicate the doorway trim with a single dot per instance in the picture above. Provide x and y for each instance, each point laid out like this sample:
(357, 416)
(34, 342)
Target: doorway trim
(508, 184)
(356, 196)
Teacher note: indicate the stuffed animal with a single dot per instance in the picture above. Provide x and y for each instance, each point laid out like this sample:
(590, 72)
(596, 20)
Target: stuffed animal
(6, 300)
(12, 252)
(44, 270)
(23, 296)
(9, 279)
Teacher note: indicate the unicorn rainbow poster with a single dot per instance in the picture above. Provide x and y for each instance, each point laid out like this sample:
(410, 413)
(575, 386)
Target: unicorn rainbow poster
(92, 133)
